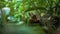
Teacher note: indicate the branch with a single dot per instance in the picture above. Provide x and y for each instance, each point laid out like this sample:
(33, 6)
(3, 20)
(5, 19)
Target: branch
(35, 8)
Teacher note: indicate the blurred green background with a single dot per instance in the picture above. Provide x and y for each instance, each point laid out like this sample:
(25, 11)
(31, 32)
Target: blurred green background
(16, 12)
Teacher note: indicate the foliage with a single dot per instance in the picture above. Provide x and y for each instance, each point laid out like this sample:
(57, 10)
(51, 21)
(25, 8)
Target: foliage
(20, 9)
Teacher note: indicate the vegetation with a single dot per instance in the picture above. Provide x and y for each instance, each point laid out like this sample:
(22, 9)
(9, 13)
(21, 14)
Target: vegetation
(18, 12)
